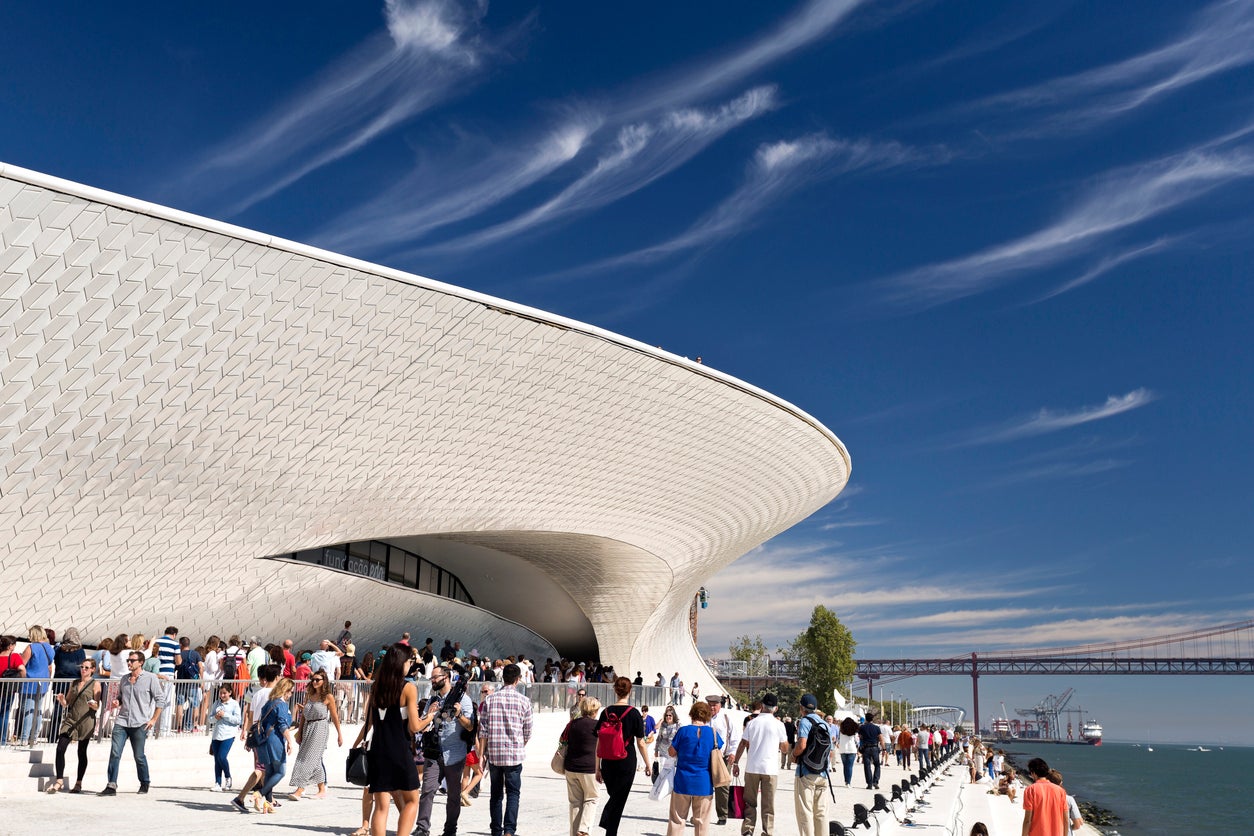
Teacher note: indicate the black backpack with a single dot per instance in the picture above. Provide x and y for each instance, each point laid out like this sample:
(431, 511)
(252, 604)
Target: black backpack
(228, 666)
(816, 756)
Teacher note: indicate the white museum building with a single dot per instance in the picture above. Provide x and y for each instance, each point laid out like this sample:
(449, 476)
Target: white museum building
(206, 426)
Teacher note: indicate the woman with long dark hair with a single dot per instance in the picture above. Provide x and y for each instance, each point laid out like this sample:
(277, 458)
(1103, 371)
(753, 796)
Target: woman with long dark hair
(393, 714)
(847, 746)
(618, 774)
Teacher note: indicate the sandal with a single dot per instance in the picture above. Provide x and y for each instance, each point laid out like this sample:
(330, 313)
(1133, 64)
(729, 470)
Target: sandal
(361, 831)
(55, 787)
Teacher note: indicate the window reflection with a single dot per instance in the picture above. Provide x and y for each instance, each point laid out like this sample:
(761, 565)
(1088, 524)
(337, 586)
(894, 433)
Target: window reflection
(384, 562)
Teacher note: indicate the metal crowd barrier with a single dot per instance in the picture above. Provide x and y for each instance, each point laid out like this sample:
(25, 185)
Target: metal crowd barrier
(31, 716)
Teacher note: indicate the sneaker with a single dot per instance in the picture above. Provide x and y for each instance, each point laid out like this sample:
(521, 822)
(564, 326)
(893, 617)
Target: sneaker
(143, 789)
(239, 805)
(228, 784)
(108, 791)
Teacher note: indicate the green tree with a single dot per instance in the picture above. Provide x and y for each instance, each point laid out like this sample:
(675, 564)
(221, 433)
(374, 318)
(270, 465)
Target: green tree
(752, 652)
(824, 656)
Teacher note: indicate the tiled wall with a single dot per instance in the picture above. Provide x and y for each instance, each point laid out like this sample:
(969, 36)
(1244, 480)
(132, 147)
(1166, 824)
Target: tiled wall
(179, 398)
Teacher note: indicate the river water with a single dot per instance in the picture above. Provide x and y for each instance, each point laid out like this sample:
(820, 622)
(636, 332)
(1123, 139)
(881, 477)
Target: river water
(1170, 790)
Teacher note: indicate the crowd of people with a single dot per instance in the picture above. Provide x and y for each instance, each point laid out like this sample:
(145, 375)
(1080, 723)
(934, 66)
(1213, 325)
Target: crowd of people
(444, 719)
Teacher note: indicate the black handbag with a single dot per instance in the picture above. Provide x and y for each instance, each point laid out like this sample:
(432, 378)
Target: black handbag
(356, 769)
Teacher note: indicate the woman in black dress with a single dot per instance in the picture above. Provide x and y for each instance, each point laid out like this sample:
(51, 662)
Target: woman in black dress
(618, 775)
(393, 714)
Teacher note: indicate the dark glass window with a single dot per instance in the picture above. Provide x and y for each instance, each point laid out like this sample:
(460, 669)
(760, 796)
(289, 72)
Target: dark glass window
(376, 559)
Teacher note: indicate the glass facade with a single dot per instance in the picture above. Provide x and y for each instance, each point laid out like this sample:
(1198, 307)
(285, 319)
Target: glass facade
(385, 562)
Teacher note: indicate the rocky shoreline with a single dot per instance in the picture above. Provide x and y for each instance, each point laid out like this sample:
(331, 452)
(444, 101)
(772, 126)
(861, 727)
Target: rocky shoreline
(1099, 817)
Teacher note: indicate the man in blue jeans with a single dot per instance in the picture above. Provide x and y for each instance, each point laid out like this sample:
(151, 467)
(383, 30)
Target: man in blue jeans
(141, 696)
(872, 740)
(504, 730)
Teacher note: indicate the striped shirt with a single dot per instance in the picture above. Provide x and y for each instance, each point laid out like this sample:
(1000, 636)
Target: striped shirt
(166, 648)
(506, 726)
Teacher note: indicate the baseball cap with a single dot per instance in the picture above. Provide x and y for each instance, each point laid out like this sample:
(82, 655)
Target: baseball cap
(809, 701)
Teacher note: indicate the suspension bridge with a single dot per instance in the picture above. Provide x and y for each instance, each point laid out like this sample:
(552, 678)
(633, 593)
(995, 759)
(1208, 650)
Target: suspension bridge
(1223, 650)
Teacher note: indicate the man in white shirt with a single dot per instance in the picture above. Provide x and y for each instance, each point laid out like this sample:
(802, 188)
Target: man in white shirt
(721, 722)
(764, 739)
(327, 659)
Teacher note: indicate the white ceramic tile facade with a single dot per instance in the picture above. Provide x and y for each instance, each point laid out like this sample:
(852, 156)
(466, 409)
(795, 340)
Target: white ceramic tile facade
(180, 398)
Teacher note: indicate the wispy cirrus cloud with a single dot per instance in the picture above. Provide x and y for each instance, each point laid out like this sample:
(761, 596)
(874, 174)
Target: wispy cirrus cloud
(1050, 420)
(437, 194)
(635, 136)
(1113, 262)
(430, 52)
(641, 153)
(1118, 201)
(1219, 38)
(777, 169)
(811, 22)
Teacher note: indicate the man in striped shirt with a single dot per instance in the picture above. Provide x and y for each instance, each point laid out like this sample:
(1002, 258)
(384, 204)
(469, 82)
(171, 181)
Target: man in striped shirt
(504, 730)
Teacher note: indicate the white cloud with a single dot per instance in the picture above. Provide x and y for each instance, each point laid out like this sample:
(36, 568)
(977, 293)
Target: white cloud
(437, 194)
(1219, 38)
(641, 153)
(777, 169)
(1048, 420)
(814, 20)
(1121, 200)
(656, 127)
(1112, 262)
(432, 50)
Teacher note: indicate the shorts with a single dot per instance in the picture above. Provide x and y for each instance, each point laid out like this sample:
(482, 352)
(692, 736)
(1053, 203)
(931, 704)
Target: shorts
(472, 758)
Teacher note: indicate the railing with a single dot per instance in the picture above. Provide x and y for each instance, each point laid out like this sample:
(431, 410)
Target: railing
(30, 714)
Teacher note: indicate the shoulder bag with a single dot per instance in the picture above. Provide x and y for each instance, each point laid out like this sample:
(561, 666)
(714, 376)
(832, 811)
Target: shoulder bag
(558, 763)
(719, 775)
(357, 765)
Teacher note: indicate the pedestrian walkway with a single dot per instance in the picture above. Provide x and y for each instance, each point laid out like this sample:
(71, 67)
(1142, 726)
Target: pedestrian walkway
(181, 803)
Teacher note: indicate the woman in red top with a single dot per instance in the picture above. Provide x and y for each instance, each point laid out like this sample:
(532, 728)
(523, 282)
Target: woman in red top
(9, 661)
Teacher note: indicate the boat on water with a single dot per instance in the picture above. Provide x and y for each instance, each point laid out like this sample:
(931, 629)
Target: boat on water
(1091, 733)
(1002, 730)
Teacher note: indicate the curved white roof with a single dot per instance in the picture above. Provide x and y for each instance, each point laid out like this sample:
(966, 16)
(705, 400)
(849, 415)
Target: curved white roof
(183, 398)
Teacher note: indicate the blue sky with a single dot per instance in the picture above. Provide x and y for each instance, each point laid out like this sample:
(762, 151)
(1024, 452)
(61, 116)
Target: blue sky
(1003, 252)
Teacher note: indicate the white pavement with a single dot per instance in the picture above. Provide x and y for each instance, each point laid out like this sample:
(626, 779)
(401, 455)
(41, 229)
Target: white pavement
(180, 801)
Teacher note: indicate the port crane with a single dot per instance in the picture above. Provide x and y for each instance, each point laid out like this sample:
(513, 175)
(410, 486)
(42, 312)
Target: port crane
(1047, 712)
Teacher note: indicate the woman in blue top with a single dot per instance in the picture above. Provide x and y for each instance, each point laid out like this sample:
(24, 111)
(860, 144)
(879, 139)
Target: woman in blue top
(37, 657)
(694, 790)
(276, 743)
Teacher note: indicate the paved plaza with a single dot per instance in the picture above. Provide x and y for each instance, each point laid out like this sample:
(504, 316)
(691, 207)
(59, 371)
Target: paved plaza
(180, 801)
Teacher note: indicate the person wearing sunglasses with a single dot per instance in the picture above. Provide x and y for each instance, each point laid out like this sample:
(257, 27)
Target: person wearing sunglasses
(320, 709)
(137, 709)
(79, 702)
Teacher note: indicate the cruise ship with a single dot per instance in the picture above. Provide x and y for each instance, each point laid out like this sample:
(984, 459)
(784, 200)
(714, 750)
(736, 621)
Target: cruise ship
(1091, 733)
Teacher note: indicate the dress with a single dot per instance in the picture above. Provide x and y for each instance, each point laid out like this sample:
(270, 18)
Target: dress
(309, 768)
(390, 761)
